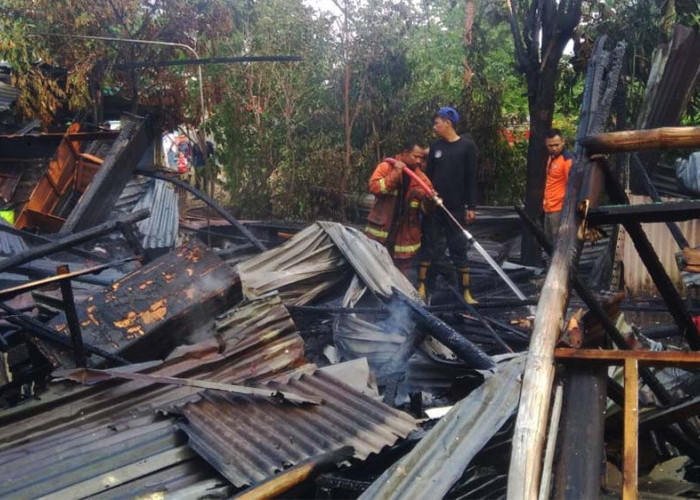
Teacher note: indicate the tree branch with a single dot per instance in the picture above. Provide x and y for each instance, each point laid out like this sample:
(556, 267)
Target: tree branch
(517, 39)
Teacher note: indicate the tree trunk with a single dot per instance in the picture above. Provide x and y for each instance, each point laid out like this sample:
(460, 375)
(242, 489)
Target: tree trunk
(542, 88)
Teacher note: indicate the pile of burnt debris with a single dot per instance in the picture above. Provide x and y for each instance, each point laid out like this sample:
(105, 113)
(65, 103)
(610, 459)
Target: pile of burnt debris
(149, 354)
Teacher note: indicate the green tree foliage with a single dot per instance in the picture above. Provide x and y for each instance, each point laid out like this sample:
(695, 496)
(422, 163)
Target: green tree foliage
(280, 128)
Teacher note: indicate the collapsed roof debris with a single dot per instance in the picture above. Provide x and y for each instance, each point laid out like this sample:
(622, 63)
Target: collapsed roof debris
(313, 367)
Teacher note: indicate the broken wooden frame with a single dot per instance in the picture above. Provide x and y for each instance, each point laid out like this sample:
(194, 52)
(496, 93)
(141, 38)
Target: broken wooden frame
(690, 137)
(631, 360)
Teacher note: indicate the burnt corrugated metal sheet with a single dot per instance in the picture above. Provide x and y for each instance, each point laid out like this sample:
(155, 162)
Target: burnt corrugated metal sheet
(249, 439)
(299, 270)
(161, 228)
(8, 94)
(106, 461)
(441, 457)
(318, 258)
(109, 441)
(259, 343)
(637, 279)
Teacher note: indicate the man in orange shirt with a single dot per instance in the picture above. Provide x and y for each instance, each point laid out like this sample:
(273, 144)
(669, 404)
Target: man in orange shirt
(558, 167)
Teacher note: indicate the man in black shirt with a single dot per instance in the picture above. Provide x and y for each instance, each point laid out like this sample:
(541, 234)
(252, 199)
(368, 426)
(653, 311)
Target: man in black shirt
(452, 170)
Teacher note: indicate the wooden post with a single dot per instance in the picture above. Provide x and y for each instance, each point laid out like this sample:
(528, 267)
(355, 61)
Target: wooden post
(630, 458)
(72, 317)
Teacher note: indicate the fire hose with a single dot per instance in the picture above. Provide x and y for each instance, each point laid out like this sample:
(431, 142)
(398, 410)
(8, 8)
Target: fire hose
(438, 201)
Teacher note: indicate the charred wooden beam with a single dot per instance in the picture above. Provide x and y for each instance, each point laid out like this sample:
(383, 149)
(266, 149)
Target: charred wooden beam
(143, 314)
(71, 240)
(581, 447)
(6, 228)
(597, 309)
(664, 417)
(656, 270)
(640, 140)
(98, 200)
(8, 293)
(463, 348)
(654, 195)
(231, 220)
(130, 234)
(49, 334)
(480, 318)
(648, 212)
(72, 317)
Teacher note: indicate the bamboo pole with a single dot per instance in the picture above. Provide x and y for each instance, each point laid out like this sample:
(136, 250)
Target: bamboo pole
(640, 140)
(531, 423)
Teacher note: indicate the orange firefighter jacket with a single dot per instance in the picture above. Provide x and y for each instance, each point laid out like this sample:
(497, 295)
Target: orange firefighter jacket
(387, 185)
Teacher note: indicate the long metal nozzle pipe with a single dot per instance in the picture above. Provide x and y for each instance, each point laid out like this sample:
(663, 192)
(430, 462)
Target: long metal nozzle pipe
(438, 201)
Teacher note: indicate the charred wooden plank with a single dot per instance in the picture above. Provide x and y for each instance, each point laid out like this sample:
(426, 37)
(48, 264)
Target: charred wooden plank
(648, 212)
(141, 315)
(670, 415)
(8, 293)
(71, 240)
(49, 334)
(72, 317)
(6, 228)
(98, 200)
(581, 445)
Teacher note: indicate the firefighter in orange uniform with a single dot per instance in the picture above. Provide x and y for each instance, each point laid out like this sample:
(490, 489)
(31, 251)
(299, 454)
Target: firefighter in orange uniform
(395, 217)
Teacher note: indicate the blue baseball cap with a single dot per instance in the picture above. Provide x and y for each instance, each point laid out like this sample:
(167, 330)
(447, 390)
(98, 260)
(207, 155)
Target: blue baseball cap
(449, 113)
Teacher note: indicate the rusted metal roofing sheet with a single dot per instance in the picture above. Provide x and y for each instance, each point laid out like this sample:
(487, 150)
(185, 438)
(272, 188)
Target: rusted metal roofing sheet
(250, 439)
(299, 270)
(257, 342)
(441, 457)
(370, 260)
(106, 461)
(318, 258)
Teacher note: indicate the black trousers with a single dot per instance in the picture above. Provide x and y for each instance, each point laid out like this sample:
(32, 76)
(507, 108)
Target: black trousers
(440, 234)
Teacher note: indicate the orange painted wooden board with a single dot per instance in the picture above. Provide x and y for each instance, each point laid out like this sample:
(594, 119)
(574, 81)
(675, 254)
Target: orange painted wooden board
(612, 357)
